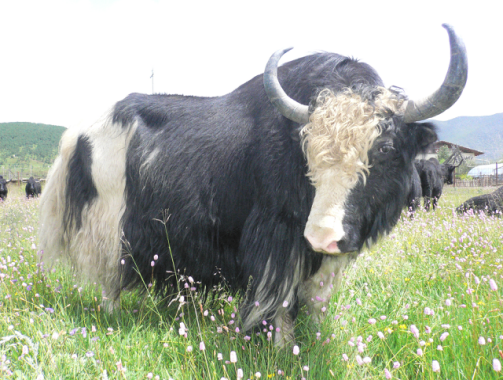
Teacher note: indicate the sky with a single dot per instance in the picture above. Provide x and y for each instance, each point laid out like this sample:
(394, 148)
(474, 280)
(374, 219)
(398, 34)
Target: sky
(68, 62)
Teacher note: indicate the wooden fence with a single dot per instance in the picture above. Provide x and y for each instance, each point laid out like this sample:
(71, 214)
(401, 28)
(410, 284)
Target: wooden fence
(481, 181)
(15, 173)
(19, 177)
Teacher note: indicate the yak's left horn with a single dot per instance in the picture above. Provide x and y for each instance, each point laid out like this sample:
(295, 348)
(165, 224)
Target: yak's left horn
(288, 107)
(451, 89)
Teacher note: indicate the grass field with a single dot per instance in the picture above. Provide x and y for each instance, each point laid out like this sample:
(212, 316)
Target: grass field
(426, 302)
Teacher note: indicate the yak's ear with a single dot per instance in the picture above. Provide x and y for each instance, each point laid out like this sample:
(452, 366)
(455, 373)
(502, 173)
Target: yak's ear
(425, 134)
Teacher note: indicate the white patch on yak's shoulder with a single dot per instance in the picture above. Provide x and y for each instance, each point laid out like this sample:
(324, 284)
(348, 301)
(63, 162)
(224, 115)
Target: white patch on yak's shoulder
(336, 141)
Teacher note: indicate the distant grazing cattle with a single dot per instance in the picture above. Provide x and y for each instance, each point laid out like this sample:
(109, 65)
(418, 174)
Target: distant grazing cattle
(268, 193)
(33, 188)
(433, 175)
(3, 188)
(432, 181)
(489, 203)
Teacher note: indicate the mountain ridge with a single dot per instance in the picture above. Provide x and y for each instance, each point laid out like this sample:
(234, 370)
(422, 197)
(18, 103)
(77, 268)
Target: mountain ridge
(483, 133)
(40, 141)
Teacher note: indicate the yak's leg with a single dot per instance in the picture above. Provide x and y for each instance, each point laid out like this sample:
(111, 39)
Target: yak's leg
(317, 290)
(111, 298)
(427, 201)
(284, 324)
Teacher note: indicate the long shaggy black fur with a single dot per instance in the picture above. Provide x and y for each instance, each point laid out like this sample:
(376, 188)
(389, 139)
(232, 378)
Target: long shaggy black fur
(80, 189)
(415, 193)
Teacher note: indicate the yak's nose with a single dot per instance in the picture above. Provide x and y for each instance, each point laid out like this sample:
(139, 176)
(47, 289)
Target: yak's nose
(324, 240)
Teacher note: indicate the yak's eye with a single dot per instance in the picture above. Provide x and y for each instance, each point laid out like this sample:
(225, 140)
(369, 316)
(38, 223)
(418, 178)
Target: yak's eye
(385, 149)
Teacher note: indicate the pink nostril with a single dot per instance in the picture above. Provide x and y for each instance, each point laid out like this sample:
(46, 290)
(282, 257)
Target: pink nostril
(322, 245)
(332, 247)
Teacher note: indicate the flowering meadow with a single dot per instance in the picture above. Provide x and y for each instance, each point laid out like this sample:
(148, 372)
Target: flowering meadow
(425, 302)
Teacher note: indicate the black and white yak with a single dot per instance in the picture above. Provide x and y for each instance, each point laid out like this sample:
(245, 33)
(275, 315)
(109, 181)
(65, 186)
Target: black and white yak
(3, 188)
(265, 192)
(33, 188)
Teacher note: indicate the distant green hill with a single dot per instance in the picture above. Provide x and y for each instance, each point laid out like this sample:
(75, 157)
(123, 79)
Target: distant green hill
(483, 133)
(27, 142)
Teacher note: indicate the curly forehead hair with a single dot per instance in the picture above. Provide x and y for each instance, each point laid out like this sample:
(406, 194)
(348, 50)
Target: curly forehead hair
(343, 127)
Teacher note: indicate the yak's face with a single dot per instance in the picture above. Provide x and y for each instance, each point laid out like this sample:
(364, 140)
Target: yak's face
(363, 181)
(448, 174)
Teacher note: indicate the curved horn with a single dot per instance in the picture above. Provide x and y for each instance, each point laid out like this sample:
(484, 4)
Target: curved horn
(451, 89)
(287, 106)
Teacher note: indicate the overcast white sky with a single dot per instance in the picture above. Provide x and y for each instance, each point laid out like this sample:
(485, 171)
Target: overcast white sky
(68, 62)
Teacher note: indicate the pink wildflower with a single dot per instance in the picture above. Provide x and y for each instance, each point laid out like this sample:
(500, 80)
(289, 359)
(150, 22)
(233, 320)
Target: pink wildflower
(387, 374)
(234, 357)
(435, 366)
(414, 330)
(496, 365)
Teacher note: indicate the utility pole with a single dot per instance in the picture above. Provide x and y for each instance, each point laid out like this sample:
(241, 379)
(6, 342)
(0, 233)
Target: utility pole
(152, 76)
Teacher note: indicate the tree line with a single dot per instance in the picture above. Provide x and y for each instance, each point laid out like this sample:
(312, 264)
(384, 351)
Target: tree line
(23, 143)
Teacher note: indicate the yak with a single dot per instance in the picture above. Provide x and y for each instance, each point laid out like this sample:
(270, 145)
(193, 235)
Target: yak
(432, 181)
(3, 188)
(490, 203)
(433, 176)
(33, 188)
(269, 190)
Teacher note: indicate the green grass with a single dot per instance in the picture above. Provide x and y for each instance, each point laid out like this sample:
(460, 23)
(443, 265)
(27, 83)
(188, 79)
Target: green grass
(53, 325)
